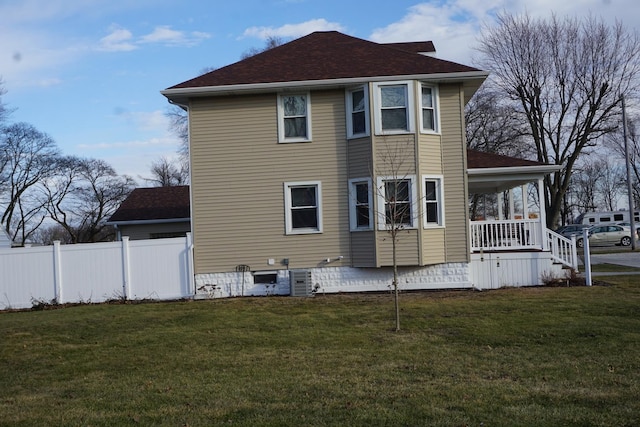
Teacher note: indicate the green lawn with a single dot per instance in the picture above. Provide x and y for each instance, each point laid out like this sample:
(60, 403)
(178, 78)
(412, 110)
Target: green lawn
(538, 356)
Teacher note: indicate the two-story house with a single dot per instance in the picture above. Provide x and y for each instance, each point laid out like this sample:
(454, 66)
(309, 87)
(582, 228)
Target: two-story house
(299, 154)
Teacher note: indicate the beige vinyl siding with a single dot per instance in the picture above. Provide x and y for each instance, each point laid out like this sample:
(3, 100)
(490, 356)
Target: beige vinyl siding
(454, 166)
(145, 231)
(363, 249)
(406, 248)
(430, 163)
(363, 243)
(359, 158)
(238, 172)
(395, 156)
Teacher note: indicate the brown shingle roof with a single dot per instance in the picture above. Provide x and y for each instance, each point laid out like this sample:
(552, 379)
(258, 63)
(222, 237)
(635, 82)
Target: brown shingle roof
(146, 204)
(414, 47)
(479, 160)
(325, 56)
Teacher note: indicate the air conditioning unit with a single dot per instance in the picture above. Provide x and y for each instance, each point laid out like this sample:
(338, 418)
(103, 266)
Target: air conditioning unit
(300, 283)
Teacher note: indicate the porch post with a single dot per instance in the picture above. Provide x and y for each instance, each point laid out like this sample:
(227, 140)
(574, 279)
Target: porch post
(512, 205)
(500, 203)
(543, 216)
(525, 201)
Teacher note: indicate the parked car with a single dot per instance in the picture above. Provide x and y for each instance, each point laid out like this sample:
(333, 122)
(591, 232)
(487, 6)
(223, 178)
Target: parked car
(572, 229)
(628, 225)
(601, 235)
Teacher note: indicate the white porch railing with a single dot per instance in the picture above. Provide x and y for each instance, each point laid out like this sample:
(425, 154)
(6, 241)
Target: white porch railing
(506, 235)
(563, 250)
(522, 234)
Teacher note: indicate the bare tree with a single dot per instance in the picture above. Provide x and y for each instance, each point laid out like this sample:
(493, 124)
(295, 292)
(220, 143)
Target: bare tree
(4, 109)
(27, 158)
(83, 195)
(167, 173)
(493, 127)
(565, 78)
(395, 161)
(270, 43)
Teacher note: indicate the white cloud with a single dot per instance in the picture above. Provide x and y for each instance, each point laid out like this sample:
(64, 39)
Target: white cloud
(119, 40)
(452, 27)
(169, 37)
(293, 30)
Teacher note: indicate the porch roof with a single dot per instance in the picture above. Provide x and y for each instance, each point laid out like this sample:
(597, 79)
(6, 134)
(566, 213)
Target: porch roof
(493, 173)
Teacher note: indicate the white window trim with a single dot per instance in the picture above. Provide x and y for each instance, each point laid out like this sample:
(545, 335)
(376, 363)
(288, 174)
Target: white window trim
(349, 104)
(410, 91)
(287, 207)
(381, 208)
(436, 108)
(353, 220)
(440, 198)
(281, 138)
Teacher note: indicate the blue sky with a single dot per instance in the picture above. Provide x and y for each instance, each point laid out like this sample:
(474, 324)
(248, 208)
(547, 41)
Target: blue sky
(89, 72)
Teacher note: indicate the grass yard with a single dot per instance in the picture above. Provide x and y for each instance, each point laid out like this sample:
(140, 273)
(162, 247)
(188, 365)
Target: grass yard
(549, 356)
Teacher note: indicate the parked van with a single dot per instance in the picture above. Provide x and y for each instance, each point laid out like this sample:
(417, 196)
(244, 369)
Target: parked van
(608, 217)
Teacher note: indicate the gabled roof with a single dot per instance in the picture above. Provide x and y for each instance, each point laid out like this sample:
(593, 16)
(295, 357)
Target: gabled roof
(154, 204)
(325, 58)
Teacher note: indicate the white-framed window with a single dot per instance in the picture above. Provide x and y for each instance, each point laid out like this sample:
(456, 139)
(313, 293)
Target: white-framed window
(397, 196)
(429, 118)
(432, 196)
(360, 204)
(294, 117)
(393, 112)
(303, 207)
(357, 112)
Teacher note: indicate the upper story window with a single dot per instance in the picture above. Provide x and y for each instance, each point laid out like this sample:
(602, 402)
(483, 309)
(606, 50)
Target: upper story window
(294, 117)
(433, 201)
(357, 113)
(360, 206)
(303, 208)
(429, 106)
(393, 107)
(398, 196)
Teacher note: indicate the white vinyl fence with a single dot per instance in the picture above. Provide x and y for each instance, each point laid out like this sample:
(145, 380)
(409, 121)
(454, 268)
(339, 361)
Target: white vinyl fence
(158, 269)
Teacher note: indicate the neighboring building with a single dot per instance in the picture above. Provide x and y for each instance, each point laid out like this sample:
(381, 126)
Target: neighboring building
(294, 150)
(153, 213)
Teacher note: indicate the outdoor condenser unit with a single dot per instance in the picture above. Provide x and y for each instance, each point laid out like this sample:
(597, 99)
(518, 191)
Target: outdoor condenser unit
(300, 283)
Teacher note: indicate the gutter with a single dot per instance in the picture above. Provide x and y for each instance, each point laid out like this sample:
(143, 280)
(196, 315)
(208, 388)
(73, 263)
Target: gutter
(298, 85)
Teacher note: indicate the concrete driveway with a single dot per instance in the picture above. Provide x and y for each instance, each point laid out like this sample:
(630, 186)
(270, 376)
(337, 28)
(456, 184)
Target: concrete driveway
(630, 259)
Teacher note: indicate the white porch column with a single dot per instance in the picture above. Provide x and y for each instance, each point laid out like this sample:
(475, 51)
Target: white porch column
(543, 215)
(512, 205)
(500, 204)
(525, 201)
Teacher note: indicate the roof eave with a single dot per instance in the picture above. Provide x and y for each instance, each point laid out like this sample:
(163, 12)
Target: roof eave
(180, 95)
(513, 170)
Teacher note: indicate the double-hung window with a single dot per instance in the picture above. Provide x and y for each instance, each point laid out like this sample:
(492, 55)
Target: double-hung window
(433, 204)
(398, 196)
(303, 208)
(294, 117)
(357, 113)
(429, 110)
(393, 108)
(360, 206)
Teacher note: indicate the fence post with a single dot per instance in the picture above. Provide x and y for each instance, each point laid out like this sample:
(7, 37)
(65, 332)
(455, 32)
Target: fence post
(126, 271)
(57, 273)
(191, 280)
